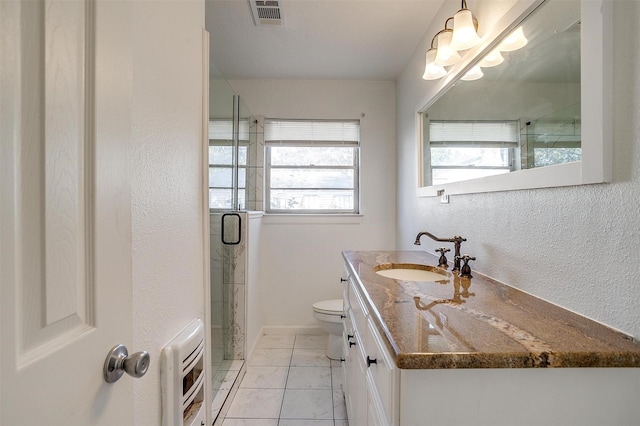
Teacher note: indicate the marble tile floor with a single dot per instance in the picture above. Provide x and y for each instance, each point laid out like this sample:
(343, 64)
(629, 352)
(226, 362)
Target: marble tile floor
(289, 382)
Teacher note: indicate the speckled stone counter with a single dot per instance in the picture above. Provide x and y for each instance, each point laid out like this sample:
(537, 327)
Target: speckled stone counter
(478, 322)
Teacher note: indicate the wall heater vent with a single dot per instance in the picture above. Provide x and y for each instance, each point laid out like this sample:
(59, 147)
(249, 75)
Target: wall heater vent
(267, 12)
(182, 375)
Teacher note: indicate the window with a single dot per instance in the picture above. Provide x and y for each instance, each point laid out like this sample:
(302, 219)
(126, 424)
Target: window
(312, 166)
(462, 150)
(221, 162)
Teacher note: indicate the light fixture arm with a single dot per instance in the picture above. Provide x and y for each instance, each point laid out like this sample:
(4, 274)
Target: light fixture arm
(450, 18)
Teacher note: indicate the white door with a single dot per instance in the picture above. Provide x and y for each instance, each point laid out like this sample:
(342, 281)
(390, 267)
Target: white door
(65, 237)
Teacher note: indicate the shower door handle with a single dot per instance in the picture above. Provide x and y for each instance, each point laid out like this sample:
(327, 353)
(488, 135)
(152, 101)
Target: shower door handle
(239, 238)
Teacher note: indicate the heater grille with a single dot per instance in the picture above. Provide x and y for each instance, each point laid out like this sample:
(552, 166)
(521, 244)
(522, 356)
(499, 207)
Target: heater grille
(267, 12)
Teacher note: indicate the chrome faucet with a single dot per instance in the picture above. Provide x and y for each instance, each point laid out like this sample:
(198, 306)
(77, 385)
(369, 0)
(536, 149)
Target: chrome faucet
(457, 242)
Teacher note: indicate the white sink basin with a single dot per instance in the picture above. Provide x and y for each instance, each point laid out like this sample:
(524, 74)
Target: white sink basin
(410, 272)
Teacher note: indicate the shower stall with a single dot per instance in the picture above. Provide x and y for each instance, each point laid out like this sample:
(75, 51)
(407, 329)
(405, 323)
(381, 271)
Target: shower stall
(235, 176)
(553, 139)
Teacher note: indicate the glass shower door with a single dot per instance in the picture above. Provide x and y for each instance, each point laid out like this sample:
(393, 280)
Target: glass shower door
(233, 163)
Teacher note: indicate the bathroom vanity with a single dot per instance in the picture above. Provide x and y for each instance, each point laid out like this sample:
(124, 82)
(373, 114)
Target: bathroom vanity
(473, 351)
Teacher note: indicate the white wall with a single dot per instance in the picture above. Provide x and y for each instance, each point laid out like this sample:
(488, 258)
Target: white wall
(301, 260)
(166, 184)
(574, 246)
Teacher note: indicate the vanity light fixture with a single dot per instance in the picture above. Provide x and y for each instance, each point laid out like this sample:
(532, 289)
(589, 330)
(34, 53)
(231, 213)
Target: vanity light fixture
(464, 36)
(449, 41)
(464, 29)
(445, 54)
(431, 70)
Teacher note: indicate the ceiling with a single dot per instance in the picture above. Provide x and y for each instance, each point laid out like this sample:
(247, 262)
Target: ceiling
(319, 39)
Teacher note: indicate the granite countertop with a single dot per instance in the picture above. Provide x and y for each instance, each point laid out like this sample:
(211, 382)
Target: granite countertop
(479, 322)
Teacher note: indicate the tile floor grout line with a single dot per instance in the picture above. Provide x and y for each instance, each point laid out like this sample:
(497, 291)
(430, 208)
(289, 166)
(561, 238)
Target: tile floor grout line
(287, 379)
(333, 383)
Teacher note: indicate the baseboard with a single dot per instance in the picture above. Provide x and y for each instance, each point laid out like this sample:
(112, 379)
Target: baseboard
(252, 349)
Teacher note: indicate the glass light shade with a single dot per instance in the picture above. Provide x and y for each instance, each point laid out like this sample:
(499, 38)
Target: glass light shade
(514, 41)
(492, 59)
(431, 70)
(464, 32)
(474, 73)
(445, 55)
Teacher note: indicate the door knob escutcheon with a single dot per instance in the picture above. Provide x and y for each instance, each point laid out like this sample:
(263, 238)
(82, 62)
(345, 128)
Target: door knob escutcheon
(119, 361)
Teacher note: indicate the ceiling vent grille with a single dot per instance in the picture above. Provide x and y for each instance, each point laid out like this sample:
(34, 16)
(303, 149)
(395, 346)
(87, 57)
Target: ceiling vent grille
(267, 12)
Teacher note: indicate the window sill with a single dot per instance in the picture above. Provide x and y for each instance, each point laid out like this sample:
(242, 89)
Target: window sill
(310, 219)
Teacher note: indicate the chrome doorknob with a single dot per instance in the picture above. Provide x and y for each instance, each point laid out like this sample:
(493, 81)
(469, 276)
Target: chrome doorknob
(119, 361)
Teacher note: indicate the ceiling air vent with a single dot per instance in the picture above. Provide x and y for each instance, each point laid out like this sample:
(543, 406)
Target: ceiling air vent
(267, 12)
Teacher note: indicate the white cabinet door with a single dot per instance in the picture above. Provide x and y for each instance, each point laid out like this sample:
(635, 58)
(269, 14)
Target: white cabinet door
(65, 227)
(359, 390)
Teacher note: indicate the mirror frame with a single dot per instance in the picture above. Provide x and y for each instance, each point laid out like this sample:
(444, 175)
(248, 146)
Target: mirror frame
(596, 84)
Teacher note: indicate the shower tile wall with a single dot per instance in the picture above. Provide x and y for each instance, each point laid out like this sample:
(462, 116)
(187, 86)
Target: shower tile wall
(234, 266)
(254, 191)
(228, 301)
(217, 279)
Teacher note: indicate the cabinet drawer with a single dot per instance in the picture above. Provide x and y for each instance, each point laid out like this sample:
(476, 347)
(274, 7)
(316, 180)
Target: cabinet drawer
(344, 279)
(345, 299)
(359, 309)
(353, 340)
(384, 373)
(347, 322)
(344, 366)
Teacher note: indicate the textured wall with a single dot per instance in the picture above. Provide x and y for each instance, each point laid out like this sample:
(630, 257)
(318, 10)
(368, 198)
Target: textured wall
(574, 246)
(300, 258)
(166, 184)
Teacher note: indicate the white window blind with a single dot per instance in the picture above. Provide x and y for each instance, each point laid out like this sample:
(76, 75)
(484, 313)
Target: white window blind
(222, 130)
(503, 134)
(311, 132)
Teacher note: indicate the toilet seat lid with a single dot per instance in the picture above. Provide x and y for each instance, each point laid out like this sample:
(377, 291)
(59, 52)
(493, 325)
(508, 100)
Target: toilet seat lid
(334, 306)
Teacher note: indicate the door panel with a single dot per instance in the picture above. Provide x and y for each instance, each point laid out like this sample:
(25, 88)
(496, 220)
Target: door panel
(65, 210)
(55, 302)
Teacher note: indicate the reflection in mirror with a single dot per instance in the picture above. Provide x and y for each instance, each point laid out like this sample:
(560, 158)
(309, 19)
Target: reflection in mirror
(522, 111)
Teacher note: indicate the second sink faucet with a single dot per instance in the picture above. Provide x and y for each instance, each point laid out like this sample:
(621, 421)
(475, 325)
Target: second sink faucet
(457, 242)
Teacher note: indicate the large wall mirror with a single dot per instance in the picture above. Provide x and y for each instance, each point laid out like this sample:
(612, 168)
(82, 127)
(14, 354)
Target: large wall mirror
(540, 118)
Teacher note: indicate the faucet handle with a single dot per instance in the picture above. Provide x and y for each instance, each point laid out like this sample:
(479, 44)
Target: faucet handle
(443, 259)
(465, 271)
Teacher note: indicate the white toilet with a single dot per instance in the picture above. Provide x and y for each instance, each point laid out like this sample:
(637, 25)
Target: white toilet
(330, 313)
